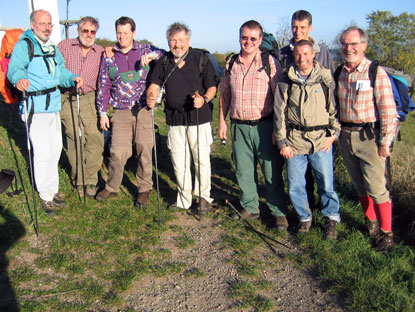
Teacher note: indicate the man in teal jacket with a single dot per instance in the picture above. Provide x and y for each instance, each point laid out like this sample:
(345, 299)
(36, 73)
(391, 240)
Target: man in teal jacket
(38, 74)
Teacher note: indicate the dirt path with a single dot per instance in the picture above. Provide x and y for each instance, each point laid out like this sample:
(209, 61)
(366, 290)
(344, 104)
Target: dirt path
(290, 288)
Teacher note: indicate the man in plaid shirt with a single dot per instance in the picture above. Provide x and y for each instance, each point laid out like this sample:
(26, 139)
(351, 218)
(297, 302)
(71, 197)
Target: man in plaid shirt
(83, 57)
(368, 117)
(122, 83)
(247, 93)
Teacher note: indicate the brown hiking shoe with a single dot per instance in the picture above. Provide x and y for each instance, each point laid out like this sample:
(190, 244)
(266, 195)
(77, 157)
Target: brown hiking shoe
(304, 227)
(331, 229)
(249, 216)
(203, 207)
(373, 228)
(58, 200)
(385, 241)
(48, 208)
(281, 223)
(142, 199)
(104, 195)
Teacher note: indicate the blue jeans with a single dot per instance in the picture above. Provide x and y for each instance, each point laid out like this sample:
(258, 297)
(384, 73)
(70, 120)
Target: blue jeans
(322, 165)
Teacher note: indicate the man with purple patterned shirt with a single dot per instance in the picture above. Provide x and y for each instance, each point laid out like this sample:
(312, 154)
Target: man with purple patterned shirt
(121, 83)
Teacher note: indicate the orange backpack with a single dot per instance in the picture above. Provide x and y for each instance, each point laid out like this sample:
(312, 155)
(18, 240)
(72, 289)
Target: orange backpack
(6, 88)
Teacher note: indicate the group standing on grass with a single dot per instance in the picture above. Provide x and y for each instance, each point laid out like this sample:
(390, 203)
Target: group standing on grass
(281, 111)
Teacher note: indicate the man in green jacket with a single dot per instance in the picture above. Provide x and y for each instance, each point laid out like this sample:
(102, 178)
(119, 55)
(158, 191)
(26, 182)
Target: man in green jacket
(306, 127)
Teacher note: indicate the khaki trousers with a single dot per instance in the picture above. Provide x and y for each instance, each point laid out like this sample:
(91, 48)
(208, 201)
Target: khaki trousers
(92, 137)
(367, 171)
(130, 126)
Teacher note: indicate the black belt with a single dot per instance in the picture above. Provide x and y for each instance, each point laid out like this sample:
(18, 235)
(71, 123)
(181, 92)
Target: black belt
(251, 122)
(309, 128)
(360, 126)
(41, 92)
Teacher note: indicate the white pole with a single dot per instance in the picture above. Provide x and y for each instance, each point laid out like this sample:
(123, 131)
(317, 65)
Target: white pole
(52, 7)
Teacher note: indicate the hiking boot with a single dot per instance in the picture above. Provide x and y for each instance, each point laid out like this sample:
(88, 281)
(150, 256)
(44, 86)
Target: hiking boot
(249, 216)
(104, 195)
(281, 223)
(203, 207)
(373, 228)
(91, 190)
(304, 227)
(385, 241)
(331, 229)
(58, 200)
(142, 199)
(48, 208)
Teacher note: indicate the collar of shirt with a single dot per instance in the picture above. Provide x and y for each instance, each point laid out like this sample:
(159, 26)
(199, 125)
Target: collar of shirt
(301, 77)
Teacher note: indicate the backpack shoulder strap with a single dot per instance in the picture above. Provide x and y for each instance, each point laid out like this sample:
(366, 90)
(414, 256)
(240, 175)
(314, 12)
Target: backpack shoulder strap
(232, 58)
(265, 62)
(30, 48)
(373, 70)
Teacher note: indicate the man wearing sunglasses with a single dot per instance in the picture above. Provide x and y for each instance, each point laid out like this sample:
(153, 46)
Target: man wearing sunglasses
(83, 57)
(247, 94)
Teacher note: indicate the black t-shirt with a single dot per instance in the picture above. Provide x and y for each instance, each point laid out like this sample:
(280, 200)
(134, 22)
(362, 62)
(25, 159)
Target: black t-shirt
(181, 86)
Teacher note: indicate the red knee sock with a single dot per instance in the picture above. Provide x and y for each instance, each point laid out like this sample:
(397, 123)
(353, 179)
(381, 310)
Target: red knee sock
(385, 216)
(368, 207)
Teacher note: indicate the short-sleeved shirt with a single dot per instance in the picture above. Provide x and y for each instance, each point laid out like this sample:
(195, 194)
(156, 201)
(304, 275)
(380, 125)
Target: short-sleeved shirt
(181, 86)
(87, 67)
(249, 92)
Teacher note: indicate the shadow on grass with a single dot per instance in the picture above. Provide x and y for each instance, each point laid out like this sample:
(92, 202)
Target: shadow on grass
(11, 230)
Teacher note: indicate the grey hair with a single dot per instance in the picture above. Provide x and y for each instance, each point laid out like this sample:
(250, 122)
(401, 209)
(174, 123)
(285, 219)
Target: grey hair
(88, 19)
(176, 28)
(35, 12)
(362, 33)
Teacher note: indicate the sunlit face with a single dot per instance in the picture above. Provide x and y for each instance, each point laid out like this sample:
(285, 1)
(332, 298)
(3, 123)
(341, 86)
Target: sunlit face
(303, 58)
(42, 26)
(125, 37)
(86, 34)
(353, 50)
(179, 44)
(250, 40)
(301, 29)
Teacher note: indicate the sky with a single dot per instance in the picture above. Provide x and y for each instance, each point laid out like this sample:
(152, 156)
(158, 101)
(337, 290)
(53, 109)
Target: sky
(214, 23)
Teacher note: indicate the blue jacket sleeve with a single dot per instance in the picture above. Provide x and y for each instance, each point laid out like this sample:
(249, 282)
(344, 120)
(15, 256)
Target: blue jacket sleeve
(19, 63)
(66, 77)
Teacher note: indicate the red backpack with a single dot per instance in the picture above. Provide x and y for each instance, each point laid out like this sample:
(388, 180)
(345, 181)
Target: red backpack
(7, 90)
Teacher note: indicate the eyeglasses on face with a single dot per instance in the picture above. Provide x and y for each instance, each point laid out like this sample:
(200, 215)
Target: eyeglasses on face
(354, 45)
(252, 39)
(174, 41)
(85, 31)
(44, 24)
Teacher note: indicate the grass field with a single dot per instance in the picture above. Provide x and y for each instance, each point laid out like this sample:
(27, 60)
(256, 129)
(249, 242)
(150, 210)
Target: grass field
(85, 256)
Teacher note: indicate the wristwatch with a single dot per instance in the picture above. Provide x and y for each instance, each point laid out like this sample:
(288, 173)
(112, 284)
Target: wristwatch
(206, 99)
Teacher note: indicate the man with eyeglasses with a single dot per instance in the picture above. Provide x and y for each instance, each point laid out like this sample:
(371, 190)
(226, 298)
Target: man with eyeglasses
(83, 57)
(122, 83)
(190, 83)
(301, 26)
(39, 75)
(368, 118)
(247, 93)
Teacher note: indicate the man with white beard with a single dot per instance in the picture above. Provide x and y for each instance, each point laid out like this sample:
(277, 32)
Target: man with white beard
(83, 57)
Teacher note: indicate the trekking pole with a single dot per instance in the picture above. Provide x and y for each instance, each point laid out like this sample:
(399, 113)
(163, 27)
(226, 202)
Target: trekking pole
(155, 165)
(80, 144)
(250, 226)
(198, 157)
(29, 152)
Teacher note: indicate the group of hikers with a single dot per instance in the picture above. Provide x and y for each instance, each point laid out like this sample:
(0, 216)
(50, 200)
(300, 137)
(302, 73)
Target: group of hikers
(287, 110)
